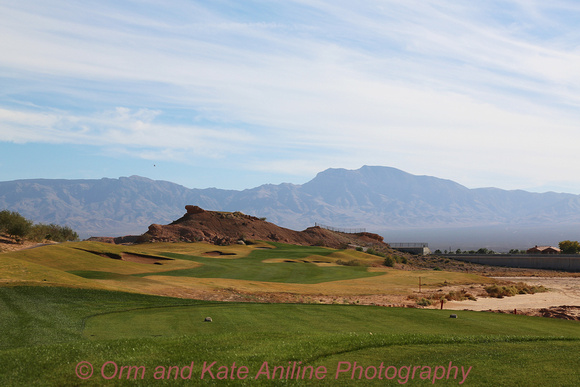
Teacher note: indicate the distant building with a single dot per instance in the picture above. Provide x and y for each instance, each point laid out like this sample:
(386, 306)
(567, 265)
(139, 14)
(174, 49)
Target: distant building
(543, 250)
(412, 248)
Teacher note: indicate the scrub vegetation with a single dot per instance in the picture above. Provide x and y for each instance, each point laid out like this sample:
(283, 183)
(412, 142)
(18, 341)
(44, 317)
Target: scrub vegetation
(17, 226)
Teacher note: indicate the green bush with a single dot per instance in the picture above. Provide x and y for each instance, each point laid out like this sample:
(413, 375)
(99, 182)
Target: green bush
(389, 261)
(16, 225)
(53, 232)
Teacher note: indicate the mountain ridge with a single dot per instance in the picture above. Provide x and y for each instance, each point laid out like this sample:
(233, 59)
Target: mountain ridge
(373, 197)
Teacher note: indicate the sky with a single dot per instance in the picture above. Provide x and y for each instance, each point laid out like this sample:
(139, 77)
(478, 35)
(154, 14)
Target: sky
(235, 94)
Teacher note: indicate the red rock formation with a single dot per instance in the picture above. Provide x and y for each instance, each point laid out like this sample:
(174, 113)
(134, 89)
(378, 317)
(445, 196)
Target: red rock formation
(223, 228)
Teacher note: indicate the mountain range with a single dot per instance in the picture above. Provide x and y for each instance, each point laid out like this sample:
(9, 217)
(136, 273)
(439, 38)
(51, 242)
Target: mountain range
(380, 199)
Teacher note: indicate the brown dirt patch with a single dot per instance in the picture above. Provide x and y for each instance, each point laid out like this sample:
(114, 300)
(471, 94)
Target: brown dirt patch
(562, 291)
(563, 312)
(8, 244)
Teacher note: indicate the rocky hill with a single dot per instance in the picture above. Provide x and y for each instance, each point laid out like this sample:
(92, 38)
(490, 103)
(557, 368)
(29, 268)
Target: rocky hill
(223, 228)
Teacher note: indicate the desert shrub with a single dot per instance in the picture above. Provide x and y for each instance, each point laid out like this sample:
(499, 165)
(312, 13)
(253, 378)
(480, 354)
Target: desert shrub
(499, 291)
(459, 295)
(404, 260)
(359, 248)
(511, 290)
(524, 288)
(374, 252)
(424, 302)
(389, 261)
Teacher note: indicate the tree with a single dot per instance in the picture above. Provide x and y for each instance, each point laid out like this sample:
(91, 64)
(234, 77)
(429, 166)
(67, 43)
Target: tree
(14, 224)
(53, 232)
(569, 247)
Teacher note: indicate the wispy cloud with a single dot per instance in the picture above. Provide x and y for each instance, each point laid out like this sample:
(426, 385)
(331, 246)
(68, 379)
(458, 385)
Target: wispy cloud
(464, 91)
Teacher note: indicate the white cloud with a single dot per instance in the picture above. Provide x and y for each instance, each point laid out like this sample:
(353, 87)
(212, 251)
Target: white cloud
(121, 127)
(471, 91)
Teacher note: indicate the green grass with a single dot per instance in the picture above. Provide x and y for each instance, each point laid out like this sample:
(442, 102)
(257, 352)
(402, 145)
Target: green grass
(315, 319)
(46, 331)
(88, 265)
(48, 315)
(252, 267)
(53, 329)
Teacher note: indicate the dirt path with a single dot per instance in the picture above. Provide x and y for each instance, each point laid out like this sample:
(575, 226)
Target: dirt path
(563, 291)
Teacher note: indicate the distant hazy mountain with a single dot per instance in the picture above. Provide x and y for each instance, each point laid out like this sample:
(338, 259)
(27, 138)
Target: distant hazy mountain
(376, 198)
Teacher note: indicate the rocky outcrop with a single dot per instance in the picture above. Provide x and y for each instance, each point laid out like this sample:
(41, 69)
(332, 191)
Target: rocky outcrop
(223, 228)
(194, 209)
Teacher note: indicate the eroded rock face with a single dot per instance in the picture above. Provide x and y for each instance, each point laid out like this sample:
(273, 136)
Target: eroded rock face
(371, 236)
(193, 209)
(154, 228)
(224, 228)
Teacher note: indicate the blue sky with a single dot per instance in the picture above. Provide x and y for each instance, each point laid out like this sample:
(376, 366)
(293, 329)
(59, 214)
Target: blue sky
(234, 94)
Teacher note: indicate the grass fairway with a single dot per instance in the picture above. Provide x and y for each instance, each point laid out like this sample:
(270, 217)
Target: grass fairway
(53, 329)
(296, 267)
(182, 269)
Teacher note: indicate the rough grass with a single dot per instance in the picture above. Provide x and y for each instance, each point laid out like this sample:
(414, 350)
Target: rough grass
(84, 256)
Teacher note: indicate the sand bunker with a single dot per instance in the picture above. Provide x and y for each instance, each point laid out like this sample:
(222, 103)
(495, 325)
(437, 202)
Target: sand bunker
(143, 259)
(131, 257)
(217, 253)
(563, 291)
(284, 260)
